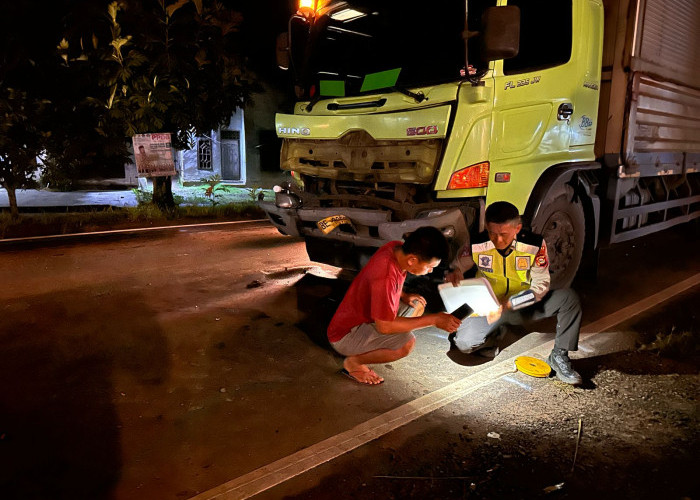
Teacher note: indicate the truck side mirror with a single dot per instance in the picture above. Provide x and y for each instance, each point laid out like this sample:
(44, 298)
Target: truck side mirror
(500, 33)
(282, 50)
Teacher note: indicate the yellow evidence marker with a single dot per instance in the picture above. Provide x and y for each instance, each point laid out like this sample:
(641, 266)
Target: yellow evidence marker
(532, 366)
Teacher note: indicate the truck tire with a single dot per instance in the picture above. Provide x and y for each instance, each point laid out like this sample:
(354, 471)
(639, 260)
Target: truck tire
(562, 224)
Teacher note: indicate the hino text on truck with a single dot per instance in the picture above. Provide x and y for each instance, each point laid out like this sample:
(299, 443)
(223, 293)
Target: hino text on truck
(585, 114)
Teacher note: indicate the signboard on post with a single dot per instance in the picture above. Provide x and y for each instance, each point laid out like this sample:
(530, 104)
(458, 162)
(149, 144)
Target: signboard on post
(154, 155)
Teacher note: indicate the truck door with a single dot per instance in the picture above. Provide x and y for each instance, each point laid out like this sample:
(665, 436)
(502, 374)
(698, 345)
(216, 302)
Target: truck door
(534, 101)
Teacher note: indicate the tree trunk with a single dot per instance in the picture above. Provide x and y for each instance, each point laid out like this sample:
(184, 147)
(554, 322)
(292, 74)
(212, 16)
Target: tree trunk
(12, 197)
(163, 193)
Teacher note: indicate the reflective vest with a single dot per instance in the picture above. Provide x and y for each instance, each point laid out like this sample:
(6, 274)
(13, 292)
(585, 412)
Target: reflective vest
(507, 275)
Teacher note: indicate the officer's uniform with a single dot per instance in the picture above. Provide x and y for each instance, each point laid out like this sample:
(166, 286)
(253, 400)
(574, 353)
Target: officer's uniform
(522, 272)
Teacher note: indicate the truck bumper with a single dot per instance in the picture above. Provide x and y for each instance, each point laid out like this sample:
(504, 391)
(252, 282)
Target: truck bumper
(371, 228)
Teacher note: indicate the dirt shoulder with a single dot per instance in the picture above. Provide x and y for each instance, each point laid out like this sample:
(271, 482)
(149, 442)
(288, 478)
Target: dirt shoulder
(519, 438)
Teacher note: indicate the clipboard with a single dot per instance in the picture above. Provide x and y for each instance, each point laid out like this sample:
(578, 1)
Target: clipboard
(476, 292)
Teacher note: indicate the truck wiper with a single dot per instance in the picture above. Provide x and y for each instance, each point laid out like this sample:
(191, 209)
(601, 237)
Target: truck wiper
(418, 96)
(314, 100)
(334, 106)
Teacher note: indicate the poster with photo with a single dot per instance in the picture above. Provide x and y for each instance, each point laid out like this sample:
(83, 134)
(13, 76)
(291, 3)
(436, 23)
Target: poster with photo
(154, 155)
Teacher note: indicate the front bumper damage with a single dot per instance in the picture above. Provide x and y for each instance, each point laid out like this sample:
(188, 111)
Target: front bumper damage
(347, 246)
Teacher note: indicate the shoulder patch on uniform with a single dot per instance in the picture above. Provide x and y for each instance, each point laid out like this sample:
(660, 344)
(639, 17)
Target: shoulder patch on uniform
(542, 259)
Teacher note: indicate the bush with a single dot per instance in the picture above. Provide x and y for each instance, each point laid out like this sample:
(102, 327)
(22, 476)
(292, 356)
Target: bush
(142, 197)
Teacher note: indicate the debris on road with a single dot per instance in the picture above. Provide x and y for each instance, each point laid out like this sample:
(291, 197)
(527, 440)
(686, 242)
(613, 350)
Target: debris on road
(578, 440)
(554, 487)
(254, 284)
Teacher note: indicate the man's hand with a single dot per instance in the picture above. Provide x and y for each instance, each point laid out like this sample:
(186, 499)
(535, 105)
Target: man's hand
(453, 277)
(494, 316)
(447, 322)
(409, 299)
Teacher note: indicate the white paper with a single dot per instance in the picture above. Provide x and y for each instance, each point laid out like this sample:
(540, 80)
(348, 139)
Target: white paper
(476, 292)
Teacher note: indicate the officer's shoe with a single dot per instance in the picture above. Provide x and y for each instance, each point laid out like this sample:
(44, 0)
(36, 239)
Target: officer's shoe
(559, 361)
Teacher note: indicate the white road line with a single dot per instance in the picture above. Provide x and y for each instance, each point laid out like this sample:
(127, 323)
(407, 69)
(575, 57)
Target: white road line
(438, 335)
(123, 231)
(638, 307)
(293, 465)
(513, 380)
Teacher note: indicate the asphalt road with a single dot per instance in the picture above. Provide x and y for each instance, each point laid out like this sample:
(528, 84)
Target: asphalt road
(165, 364)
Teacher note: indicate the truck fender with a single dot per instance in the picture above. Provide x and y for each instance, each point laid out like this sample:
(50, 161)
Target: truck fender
(565, 179)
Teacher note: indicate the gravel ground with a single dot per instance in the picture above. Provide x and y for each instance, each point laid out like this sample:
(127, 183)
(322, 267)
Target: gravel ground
(519, 438)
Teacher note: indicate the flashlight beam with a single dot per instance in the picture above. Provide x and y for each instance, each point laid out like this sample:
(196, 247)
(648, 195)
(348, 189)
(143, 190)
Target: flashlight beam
(271, 475)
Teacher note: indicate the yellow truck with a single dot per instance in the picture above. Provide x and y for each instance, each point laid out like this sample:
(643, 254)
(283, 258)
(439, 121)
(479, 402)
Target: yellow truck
(585, 114)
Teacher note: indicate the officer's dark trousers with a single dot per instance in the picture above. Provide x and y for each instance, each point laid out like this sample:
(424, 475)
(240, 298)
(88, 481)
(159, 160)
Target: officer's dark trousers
(475, 333)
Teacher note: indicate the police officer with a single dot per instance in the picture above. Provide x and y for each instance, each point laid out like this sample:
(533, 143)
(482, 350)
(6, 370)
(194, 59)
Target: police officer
(516, 264)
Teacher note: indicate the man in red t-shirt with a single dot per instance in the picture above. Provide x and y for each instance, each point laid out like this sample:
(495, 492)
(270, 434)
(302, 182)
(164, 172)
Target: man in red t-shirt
(371, 324)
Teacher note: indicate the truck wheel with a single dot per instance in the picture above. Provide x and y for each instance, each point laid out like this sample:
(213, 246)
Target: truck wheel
(562, 224)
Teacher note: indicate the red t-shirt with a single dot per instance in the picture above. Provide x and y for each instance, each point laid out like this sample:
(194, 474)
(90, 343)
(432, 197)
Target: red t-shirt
(373, 295)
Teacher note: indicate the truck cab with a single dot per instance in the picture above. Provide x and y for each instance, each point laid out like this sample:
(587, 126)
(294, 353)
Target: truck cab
(409, 117)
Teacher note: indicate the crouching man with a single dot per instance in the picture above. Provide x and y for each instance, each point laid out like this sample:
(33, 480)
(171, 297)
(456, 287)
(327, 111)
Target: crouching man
(376, 319)
(516, 264)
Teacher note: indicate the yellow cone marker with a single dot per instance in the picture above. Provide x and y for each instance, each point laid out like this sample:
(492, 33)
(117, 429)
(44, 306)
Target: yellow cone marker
(532, 366)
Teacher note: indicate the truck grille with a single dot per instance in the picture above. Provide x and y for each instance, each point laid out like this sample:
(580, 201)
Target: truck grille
(357, 156)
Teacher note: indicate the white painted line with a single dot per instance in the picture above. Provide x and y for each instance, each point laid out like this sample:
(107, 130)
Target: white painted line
(286, 468)
(638, 307)
(438, 335)
(282, 470)
(122, 231)
(513, 380)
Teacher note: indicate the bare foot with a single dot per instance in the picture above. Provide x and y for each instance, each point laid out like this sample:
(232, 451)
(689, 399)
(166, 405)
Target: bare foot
(362, 374)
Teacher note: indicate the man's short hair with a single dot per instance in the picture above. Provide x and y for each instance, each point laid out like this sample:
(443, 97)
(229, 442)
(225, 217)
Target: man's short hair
(501, 212)
(427, 243)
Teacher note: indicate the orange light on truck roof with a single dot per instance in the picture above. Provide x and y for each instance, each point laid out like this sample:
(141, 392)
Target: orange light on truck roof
(473, 176)
(307, 7)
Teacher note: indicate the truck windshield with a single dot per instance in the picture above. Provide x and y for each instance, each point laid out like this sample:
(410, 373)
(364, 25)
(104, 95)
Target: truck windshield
(357, 47)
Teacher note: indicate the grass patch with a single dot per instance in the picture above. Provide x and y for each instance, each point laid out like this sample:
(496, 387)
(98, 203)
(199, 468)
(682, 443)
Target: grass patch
(144, 215)
(673, 344)
(210, 201)
(211, 193)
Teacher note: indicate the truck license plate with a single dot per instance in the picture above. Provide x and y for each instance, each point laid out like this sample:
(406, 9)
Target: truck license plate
(330, 223)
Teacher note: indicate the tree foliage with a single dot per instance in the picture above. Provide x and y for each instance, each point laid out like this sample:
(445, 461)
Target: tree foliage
(21, 139)
(80, 77)
(24, 106)
(169, 68)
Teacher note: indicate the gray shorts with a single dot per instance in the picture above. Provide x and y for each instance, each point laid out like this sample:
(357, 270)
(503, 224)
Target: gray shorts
(365, 338)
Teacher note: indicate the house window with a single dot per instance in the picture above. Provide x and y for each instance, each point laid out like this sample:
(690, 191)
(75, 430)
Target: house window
(204, 154)
(545, 35)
